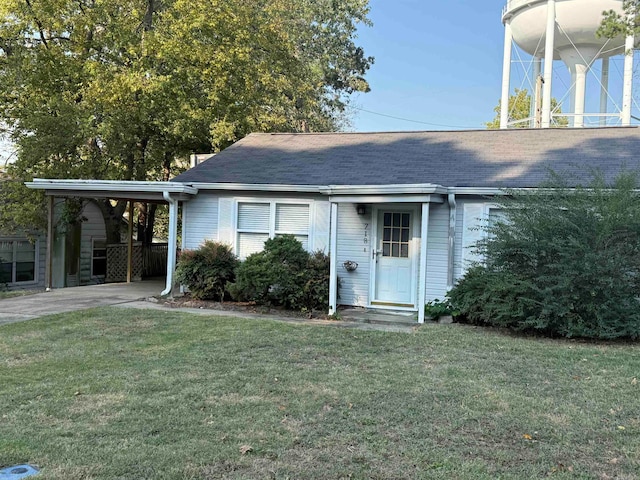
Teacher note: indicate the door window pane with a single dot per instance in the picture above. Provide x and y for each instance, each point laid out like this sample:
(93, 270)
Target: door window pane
(396, 234)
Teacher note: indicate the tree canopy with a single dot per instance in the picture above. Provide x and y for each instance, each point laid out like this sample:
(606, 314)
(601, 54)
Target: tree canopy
(520, 108)
(615, 24)
(118, 89)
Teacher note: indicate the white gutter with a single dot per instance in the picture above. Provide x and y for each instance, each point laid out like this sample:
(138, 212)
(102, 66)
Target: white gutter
(111, 186)
(417, 188)
(453, 213)
(257, 187)
(172, 242)
(483, 190)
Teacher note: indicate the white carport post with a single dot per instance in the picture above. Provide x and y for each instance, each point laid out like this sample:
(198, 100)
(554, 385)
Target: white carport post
(49, 266)
(173, 241)
(422, 280)
(333, 261)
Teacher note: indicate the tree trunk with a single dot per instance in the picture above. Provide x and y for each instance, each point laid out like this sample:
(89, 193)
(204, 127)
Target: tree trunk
(151, 220)
(112, 218)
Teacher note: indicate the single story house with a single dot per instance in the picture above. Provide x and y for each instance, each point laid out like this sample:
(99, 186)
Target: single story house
(397, 212)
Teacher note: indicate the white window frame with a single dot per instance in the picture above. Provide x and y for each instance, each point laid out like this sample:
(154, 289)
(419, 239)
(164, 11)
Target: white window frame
(93, 244)
(36, 260)
(272, 202)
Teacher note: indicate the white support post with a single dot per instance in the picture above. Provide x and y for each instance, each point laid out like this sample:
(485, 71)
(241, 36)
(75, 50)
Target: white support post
(548, 63)
(333, 261)
(50, 232)
(506, 76)
(130, 243)
(173, 242)
(604, 89)
(422, 280)
(580, 89)
(537, 70)
(627, 88)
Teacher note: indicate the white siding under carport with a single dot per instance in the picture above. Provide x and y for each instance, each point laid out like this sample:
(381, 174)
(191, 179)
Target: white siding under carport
(92, 229)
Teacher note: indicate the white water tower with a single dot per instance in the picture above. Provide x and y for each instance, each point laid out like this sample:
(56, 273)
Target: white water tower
(565, 30)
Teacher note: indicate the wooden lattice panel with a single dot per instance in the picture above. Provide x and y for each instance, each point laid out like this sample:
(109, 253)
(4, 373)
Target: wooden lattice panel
(117, 257)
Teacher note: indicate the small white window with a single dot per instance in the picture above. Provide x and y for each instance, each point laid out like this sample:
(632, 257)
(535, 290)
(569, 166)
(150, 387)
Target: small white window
(259, 221)
(18, 260)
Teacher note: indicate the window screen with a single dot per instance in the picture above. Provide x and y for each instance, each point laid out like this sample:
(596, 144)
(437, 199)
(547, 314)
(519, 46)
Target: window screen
(257, 222)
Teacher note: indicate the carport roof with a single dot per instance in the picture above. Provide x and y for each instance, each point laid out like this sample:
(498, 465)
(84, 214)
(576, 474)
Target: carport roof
(113, 189)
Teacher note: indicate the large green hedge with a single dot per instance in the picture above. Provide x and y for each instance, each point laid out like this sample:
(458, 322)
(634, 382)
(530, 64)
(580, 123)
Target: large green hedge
(206, 270)
(284, 273)
(563, 261)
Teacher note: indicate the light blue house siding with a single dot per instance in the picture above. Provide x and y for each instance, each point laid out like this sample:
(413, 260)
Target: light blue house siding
(215, 216)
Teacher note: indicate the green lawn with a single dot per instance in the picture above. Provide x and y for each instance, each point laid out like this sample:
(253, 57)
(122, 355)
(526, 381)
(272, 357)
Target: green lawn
(128, 394)
(17, 293)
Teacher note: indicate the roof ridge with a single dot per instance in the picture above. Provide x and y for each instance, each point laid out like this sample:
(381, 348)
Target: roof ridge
(487, 130)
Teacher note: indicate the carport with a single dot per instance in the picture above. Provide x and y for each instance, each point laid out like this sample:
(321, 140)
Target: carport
(173, 194)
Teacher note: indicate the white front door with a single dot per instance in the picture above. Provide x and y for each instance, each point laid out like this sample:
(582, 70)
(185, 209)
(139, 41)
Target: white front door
(394, 258)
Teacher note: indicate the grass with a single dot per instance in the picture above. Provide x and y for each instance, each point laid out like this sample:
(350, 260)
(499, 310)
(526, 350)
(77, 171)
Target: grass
(17, 293)
(118, 393)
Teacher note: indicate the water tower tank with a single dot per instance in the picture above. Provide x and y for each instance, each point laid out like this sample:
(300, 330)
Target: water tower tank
(565, 30)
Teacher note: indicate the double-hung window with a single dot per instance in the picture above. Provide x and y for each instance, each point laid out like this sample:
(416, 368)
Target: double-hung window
(258, 221)
(17, 261)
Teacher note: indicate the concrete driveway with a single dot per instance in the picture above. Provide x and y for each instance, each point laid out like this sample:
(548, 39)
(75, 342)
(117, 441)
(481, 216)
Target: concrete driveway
(75, 298)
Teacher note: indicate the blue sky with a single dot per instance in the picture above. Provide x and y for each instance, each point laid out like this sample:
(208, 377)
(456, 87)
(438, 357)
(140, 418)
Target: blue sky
(438, 62)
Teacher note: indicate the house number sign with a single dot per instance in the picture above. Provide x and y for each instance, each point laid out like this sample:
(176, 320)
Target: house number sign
(366, 238)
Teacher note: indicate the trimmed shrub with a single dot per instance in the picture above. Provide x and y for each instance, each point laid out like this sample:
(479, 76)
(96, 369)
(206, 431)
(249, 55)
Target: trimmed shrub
(563, 261)
(284, 273)
(207, 270)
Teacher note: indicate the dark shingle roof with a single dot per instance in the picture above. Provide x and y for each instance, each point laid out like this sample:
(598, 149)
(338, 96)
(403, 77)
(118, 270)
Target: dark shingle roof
(482, 158)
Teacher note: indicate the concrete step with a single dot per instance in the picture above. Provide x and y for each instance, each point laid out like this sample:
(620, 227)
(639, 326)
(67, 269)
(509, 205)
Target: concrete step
(379, 317)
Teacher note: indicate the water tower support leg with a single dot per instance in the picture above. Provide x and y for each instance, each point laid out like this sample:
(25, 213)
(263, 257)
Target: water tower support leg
(537, 68)
(572, 96)
(548, 63)
(628, 81)
(604, 89)
(506, 76)
(580, 92)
